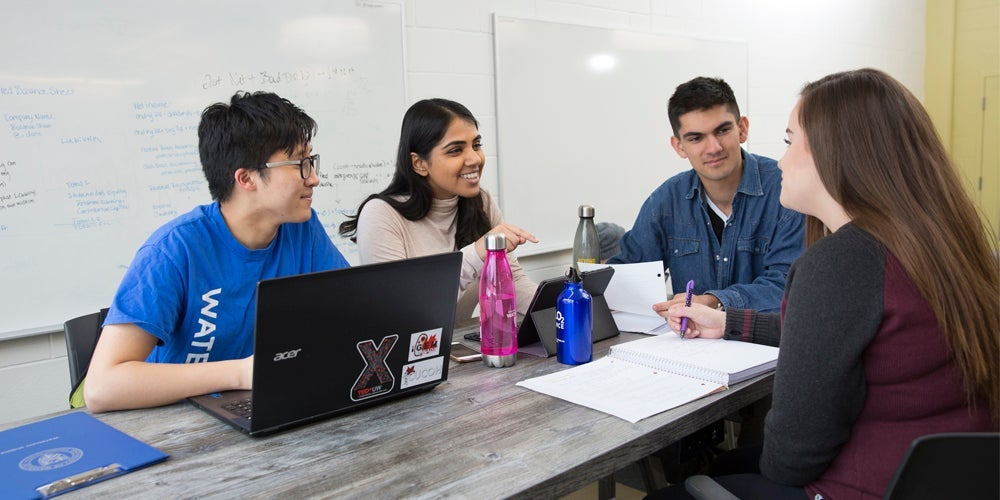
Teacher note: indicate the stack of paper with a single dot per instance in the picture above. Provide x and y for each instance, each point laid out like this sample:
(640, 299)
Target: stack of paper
(644, 377)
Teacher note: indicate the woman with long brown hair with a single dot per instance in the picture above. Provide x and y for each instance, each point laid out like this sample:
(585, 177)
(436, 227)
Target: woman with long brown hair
(890, 325)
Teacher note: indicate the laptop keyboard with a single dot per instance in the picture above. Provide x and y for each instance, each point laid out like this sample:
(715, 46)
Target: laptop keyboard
(239, 408)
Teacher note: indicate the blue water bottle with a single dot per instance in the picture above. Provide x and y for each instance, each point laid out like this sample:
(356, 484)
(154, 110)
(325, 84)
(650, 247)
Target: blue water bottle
(574, 344)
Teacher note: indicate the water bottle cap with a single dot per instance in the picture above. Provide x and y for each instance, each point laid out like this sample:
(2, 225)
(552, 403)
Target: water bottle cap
(572, 276)
(586, 211)
(496, 241)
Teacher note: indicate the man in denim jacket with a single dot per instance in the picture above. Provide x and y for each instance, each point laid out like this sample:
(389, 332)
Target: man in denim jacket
(721, 223)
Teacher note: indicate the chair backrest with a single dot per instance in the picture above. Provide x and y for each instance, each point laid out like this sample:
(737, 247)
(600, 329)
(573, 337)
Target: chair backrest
(81, 339)
(952, 465)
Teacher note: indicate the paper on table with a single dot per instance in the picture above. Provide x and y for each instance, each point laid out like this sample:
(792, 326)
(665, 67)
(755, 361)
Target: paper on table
(640, 323)
(721, 361)
(625, 390)
(633, 290)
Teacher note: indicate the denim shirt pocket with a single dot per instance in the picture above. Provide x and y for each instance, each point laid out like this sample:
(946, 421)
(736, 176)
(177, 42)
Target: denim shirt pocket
(756, 246)
(679, 247)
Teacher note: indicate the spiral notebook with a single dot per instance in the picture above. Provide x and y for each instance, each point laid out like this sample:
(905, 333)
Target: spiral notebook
(644, 377)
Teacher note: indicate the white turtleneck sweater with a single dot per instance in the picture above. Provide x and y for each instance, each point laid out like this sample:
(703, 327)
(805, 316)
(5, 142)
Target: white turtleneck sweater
(383, 235)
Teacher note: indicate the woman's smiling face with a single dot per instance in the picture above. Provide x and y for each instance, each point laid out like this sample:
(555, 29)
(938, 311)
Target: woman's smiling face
(455, 164)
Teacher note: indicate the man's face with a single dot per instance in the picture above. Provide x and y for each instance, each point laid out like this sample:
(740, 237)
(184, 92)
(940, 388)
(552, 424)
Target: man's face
(710, 139)
(284, 195)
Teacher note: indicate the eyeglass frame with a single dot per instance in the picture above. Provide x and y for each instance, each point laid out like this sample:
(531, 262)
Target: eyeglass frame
(313, 165)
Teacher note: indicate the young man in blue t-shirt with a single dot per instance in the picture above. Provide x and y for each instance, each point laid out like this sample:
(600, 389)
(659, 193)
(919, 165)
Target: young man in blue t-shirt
(181, 323)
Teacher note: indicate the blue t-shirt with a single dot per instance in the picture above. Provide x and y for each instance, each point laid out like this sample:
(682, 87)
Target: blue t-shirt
(193, 286)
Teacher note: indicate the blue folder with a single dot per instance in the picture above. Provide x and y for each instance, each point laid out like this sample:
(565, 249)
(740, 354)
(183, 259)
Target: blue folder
(60, 454)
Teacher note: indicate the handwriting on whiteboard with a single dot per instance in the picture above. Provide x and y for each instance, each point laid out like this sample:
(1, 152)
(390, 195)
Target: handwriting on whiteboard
(263, 78)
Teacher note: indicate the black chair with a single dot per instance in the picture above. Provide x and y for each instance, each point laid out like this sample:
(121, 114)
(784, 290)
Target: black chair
(949, 465)
(81, 339)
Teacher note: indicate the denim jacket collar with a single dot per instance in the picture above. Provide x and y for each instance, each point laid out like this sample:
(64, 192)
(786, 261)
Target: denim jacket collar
(750, 183)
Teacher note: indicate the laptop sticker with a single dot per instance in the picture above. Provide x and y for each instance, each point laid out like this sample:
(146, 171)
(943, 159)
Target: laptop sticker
(425, 344)
(376, 379)
(428, 370)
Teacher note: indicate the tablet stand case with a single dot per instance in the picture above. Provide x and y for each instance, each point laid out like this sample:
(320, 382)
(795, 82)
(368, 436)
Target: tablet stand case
(540, 322)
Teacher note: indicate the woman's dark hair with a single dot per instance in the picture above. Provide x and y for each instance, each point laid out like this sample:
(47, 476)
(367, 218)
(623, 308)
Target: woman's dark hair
(424, 125)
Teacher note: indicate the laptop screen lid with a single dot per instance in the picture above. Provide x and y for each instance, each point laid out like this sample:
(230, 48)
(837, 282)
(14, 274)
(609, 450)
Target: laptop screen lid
(334, 341)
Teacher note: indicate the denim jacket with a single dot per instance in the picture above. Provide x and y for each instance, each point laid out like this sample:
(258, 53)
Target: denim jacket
(759, 242)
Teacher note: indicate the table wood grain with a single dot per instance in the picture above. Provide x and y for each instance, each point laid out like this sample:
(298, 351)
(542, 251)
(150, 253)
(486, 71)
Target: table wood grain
(476, 435)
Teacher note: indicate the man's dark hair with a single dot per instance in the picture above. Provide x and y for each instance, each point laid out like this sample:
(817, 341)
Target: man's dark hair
(700, 94)
(245, 133)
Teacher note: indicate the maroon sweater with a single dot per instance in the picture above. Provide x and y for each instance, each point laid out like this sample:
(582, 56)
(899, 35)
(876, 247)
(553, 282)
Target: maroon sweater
(863, 370)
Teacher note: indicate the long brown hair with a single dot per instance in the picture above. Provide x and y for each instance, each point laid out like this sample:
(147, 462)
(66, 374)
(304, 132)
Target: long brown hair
(878, 155)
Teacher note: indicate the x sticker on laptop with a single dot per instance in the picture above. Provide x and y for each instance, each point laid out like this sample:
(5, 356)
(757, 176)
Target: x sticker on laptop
(376, 379)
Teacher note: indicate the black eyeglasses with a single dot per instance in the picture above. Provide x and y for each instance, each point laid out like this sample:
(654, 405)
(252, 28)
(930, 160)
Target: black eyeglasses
(306, 165)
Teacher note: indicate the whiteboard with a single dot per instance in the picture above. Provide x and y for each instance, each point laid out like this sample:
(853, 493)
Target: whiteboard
(100, 103)
(582, 119)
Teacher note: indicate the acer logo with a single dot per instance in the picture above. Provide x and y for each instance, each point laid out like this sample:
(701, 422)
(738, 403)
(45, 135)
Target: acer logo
(281, 356)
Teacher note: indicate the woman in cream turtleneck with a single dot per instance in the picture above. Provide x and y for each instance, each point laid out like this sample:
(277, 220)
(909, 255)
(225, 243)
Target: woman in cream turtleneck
(434, 203)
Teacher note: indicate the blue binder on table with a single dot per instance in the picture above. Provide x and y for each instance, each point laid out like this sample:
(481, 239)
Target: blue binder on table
(60, 454)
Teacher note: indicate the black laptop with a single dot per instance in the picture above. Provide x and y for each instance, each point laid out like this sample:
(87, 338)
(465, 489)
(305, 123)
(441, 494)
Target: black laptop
(335, 341)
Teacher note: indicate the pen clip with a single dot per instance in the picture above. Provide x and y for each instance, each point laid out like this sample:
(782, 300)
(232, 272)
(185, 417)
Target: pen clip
(68, 483)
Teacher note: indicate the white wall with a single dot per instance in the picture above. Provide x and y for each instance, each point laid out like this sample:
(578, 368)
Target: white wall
(450, 54)
(34, 376)
(449, 44)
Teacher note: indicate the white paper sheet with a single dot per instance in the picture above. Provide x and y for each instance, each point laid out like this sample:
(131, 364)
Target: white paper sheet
(633, 290)
(620, 388)
(640, 323)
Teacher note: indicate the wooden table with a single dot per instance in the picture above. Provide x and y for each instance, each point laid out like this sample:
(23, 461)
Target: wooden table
(477, 435)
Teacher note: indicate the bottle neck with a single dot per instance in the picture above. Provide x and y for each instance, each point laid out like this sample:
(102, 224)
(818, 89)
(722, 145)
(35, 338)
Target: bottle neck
(496, 255)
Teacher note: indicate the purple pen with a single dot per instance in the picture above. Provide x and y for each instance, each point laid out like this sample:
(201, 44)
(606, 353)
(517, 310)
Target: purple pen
(687, 303)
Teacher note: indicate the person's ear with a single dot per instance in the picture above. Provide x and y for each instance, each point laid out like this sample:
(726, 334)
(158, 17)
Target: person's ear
(676, 143)
(744, 125)
(419, 165)
(246, 179)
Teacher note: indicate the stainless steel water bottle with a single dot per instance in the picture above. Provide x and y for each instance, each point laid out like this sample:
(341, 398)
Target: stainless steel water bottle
(586, 244)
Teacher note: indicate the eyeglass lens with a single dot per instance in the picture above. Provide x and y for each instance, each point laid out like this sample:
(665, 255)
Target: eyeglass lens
(307, 166)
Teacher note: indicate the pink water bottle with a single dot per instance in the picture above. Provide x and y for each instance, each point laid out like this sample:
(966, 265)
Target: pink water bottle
(497, 306)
